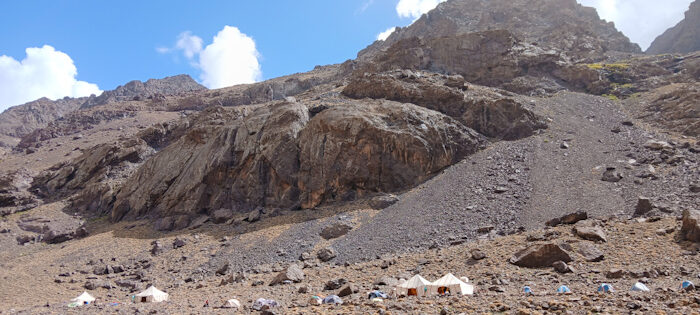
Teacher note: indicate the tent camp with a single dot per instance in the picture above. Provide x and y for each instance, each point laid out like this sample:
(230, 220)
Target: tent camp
(416, 286)
(452, 285)
(605, 288)
(232, 303)
(82, 299)
(151, 295)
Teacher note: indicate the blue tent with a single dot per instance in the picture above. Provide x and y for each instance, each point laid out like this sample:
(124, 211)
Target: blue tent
(563, 290)
(687, 285)
(332, 299)
(527, 290)
(377, 294)
(605, 288)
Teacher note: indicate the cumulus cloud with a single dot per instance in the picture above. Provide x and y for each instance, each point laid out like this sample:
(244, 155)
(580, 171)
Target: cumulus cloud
(231, 58)
(189, 44)
(415, 8)
(44, 72)
(384, 35)
(640, 20)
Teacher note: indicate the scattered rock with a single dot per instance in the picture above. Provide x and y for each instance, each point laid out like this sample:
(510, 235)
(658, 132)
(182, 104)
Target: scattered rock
(540, 256)
(611, 175)
(348, 290)
(588, 231)
(383, 201)
(326, 254)
(292, 273)
(222, 215)
(157, 248)
(254, 215)
(334, 284)
(561, 267)
(643, 207)
(477, 254)
(590, 252)
(690, 228)
(335, 230)
(657, 145)
(223, 270)
(615, 273)
(179, 242)
(570, 218)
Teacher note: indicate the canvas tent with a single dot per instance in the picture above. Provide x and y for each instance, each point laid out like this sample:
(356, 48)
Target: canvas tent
(416, 286)
(232, 303)
(332, 299)
(82, 299)
(151, 295)
(452, 285)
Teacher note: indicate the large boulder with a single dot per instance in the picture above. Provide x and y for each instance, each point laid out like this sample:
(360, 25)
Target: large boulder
(690, 228)
(335, 230)
(570, 218)
(540, 256)
(589, 231)
(292, 273)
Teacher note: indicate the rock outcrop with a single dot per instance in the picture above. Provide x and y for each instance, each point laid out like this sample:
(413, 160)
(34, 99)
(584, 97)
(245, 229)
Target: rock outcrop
(280, 157)
(682, 38)
(19, 121)
(540, 255)
(690, 228)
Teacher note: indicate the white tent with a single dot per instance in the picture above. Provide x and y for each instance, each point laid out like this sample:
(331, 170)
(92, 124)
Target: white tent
(452, 284)
(232, 303)
(83, 299)
(416, 286)
(151, 295)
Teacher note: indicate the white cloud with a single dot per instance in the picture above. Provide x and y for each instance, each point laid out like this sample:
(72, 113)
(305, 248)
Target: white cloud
(384, 35)
(231, 58)
(44, 72)
(640, 20)
(189, 44)
(415, 8)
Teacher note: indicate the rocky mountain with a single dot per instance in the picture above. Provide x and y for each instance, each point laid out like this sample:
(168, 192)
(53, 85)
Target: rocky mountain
(682, 38)
(19, 121)
(153, 88)
(445, 148)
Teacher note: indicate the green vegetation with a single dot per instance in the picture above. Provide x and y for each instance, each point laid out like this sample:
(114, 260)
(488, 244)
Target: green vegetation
(608, 66)
(611, 97)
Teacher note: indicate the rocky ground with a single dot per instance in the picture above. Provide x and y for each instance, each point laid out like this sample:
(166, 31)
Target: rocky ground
(645, 250)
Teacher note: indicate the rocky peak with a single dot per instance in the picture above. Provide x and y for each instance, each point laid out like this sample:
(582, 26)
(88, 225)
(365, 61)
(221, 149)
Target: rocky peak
(682, 38)
(137, 90)
(563, 24)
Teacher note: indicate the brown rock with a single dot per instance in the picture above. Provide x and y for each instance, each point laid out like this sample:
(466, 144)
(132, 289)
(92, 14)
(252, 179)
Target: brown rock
(588, 231)
(292, 273)
(348, 290)
(326, 254)
(570, 218)
(477, 254)
(383, 201)
(222, 215)
(690, 228)
(335, 230)
(540, 255)
(562, 267)
(643, 207)
(590, 252)
(615, 273)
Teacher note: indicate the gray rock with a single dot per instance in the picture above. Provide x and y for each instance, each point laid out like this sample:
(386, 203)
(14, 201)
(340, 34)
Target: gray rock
(657, 145)
(615, 273)
(179, 242)
(477, 254)
(254, 215)
(334, 284)
(223, 270)
(326, 254)
(386, 280)
(611, 175)
(157, 248)
(540, 256)
(383, 201)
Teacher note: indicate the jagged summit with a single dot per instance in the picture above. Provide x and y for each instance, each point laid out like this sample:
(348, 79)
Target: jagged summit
(136, 90)
(682, 38)
(563, 24)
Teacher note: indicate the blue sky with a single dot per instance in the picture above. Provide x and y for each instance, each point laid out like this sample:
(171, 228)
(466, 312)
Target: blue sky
(111, 43)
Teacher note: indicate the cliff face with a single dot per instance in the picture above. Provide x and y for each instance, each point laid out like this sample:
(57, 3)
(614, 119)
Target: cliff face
(682, 38)
(21, 120)
(153, 88)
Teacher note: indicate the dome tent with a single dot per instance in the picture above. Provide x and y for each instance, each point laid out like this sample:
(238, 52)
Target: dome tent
(563, 290)
(527, 290)
(151, 295)
(451, 284)
(232, 303)
(687, 285)
(640, 287)
(315, 300)
(416, 286)
(377, 294)
(605, 288)
(82, 299)
(333, 299)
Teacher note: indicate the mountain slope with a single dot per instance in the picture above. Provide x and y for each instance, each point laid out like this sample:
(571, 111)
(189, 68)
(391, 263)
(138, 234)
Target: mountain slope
(682, 38)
